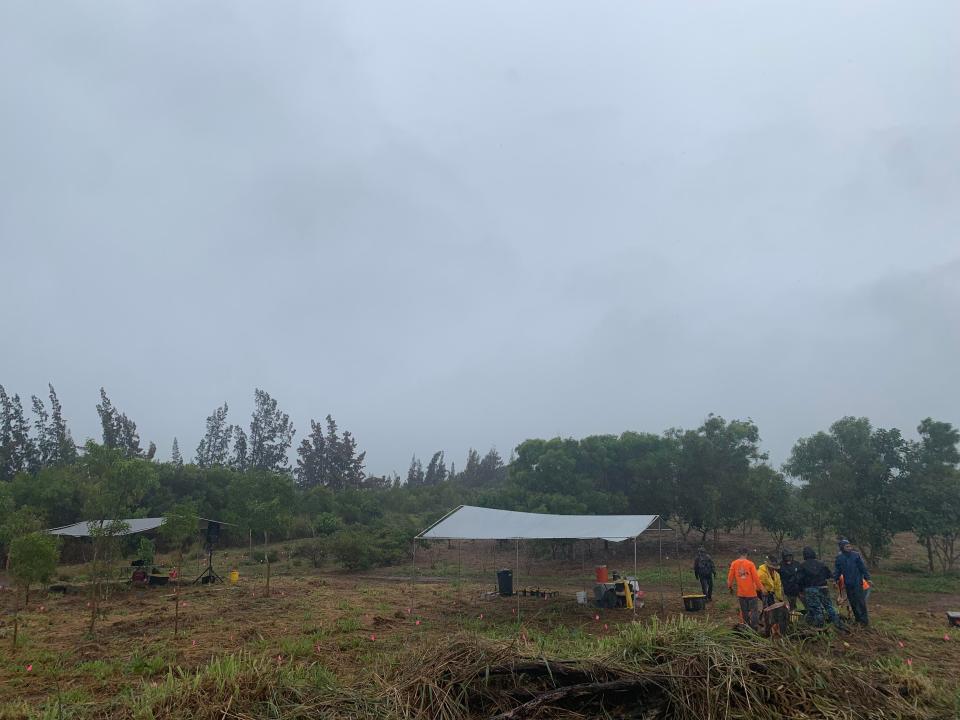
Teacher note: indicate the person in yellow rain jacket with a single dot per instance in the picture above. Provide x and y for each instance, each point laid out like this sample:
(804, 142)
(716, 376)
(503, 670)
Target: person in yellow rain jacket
(769, 574)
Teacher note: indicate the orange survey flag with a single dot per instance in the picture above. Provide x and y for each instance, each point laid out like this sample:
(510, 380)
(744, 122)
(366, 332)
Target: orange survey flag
(744, 573)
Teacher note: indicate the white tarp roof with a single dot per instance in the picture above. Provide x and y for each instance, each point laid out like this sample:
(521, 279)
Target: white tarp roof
(137, 525)
(82, 529)
(476, 523)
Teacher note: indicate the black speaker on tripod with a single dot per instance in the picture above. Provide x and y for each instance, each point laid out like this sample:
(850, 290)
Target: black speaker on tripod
(213, 533)
(209, 575)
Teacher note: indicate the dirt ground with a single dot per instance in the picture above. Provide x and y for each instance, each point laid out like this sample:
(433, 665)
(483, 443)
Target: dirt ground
(359, 621)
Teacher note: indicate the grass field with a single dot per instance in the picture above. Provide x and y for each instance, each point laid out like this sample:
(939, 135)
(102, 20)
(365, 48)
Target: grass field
(333, 644)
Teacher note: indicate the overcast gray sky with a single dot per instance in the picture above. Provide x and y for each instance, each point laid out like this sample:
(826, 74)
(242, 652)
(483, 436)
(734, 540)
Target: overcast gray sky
(453, 224)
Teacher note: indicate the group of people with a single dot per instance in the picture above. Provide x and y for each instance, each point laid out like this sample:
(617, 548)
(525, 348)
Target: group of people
(785, 580)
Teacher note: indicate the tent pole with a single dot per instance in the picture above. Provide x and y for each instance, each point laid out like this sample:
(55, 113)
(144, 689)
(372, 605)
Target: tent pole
(583, 571)
(413, 577)
(515, 590)
(660, 566)
(679, 567)
(630, 590)
(459, 580)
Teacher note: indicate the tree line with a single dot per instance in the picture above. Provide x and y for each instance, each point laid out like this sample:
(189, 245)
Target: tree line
(853, 479)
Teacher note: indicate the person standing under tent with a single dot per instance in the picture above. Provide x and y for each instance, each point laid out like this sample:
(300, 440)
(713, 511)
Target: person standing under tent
(769, 574)
(789, 578)
(850, 566)
(704, 571)
(813, 577)
(744, 573)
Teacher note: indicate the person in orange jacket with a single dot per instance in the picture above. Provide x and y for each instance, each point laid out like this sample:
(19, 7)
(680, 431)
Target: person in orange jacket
(749, 589)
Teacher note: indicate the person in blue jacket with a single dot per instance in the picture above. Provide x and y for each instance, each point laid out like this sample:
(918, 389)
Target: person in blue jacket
(850, 564)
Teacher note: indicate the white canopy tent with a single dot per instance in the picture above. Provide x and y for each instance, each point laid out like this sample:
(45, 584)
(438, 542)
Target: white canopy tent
(86, 528)
(468, 522)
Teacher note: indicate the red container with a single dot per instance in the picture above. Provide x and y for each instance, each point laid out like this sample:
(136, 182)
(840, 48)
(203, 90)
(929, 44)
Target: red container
(602, 576)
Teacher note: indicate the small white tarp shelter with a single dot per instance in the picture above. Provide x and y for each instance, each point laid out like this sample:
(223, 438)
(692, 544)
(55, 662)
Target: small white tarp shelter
(84, 528)
(468, 522)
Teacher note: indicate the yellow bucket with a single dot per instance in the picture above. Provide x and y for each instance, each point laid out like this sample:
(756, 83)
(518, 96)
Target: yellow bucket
(234, 577)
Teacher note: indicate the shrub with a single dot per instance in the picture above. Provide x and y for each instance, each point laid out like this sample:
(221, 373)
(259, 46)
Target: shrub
(326, 524)
(354, 550)
(146, 551)
(33, 559)
(313, 550)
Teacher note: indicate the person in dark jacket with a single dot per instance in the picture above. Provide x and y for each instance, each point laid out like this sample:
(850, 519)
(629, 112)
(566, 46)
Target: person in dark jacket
(790, 577)
(813, 577)
(704, 571)
(850, 565)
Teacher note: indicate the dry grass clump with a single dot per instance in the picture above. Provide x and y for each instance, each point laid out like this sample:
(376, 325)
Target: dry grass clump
(679, 668)
(711, 671)
(242, 686)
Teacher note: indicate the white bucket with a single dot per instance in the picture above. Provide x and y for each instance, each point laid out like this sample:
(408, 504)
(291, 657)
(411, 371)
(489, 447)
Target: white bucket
(581, 597)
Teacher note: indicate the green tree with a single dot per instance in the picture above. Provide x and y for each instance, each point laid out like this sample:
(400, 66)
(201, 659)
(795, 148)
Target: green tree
(46, 442)
(713, 488)
(415, 476)
(175, 457)
(214, 448)
(9, 463)
(471, 472)
(119, 431)
(778, 508)
(350, 462)
(33, 559)
(929, 491)
(271, 434)
(311, 469)
(65, 451)
(331, 460)
(262, 502)
(56, 493)
(179, 529)
(436, 470)
(15, 522)
(240, 460)
(115, 487)
(491, 470)
(18, 453)
(853, 471)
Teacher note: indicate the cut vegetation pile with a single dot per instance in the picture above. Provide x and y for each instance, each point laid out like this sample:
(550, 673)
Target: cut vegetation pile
(679, 668)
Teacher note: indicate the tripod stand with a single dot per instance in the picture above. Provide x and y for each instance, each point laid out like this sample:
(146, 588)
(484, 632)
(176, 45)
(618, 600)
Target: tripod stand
(209, 575)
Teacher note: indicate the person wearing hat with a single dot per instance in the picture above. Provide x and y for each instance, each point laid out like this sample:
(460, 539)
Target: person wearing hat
(704, 571)
(850, 566)
(790, 578)
(744, 573)
(769, 574)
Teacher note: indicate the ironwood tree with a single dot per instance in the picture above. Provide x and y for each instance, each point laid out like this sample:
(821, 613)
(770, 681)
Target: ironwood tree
(271, 434)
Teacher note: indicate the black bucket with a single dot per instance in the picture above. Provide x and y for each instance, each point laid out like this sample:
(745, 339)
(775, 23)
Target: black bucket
(505, 582)
(694, 603)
